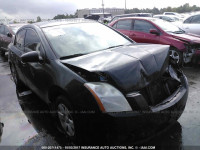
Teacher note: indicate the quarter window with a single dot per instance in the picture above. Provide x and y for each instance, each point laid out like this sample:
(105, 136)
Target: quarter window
(124, 24)
(19, 41)
(143, 26)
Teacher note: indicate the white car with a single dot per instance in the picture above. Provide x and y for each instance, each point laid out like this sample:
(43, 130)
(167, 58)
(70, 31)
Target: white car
(173, 14)
(191, 24)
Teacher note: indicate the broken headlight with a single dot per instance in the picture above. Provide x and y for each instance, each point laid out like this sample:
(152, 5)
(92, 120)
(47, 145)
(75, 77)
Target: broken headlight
(108, 97)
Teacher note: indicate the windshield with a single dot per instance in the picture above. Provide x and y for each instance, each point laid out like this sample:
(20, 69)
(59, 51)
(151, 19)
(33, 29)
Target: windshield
(168, 27)
(82, 38)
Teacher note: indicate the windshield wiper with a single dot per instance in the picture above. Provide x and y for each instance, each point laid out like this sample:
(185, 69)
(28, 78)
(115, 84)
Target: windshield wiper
(179, 32)
(72, 56)
(114, 46)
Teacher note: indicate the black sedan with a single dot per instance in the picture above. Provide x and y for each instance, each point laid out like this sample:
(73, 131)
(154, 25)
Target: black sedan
(100, 84)
(6, 34)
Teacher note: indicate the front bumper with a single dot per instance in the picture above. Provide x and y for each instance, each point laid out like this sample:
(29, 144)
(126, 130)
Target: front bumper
(139, 125)
(196, 57)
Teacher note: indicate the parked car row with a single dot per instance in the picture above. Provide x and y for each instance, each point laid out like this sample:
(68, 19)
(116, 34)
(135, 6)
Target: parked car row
(192, 24)
(119, 84)
(183, 46)
(189, 24)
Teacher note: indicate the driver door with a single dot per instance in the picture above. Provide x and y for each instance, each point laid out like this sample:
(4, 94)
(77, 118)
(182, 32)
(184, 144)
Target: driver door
(36, 72)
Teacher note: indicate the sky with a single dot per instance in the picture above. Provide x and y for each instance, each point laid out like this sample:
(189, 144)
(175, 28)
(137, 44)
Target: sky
(47, 9)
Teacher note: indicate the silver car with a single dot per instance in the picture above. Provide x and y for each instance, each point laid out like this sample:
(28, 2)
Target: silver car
(192, 24)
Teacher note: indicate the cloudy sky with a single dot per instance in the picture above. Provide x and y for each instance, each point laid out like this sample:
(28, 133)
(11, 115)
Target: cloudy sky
(30, 9)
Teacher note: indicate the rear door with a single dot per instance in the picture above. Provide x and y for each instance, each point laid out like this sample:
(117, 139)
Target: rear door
(124, 26)
(17, 51)
(141, 32)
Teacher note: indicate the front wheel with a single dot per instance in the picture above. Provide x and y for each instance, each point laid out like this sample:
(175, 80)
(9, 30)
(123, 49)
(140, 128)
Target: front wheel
(65, 118)
(177, 56)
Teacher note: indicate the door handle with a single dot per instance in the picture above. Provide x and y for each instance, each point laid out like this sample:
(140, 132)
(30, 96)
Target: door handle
(23, 64)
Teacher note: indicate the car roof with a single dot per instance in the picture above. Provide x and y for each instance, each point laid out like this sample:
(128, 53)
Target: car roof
(140, 18)
(17, 24)
(170, 16)
(62, 22)
(131, 14)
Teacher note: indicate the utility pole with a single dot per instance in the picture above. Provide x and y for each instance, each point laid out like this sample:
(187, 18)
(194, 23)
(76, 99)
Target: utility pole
(125, 4)
(103, 8)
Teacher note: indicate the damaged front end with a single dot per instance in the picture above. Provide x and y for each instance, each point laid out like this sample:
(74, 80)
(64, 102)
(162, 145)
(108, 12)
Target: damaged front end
(135, 87)
(144, 74)
(190, 53)
(162, 93)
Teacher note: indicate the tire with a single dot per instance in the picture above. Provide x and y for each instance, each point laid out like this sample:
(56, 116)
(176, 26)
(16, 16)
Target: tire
(83, 132)
(65, 119)
(176, 55)
(2, 53)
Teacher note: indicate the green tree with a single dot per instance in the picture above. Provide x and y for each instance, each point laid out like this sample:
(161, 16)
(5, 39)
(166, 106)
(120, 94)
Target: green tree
(181, 9)
(38, 19)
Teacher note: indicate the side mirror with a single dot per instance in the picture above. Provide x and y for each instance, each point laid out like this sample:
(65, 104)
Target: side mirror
(9, 35)
(30, 57)
(154, 31)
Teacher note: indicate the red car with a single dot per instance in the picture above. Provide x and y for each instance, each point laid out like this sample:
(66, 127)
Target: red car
(183, 47)
(6, 34)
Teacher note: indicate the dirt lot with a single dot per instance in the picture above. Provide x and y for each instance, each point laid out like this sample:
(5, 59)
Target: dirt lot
(18, 131)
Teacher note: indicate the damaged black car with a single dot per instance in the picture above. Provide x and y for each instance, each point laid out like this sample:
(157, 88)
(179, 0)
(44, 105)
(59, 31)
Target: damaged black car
(100, 84)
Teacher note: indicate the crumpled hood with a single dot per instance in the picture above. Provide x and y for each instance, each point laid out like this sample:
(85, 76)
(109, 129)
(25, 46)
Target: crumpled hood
(130, 67)
(191, 38)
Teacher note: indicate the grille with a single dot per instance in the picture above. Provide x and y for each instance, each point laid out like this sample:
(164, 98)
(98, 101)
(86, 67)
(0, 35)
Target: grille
(195, 47)
(154, 93)
(158, 91)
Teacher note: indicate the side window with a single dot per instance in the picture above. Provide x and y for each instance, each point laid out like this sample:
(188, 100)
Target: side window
(6, 30)
(1, 29)
(143, 26)
(19, 40)
(188, 20)
(32, 41)
(166, 18)
(195, 19)
(124, 24)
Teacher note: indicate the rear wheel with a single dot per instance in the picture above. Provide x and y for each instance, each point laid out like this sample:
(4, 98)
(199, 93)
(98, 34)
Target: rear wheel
(2, 53)
(176, 55)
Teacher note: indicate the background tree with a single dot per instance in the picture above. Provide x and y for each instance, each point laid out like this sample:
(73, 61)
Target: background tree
(38, 19)
(62, 16)
(182, 9)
